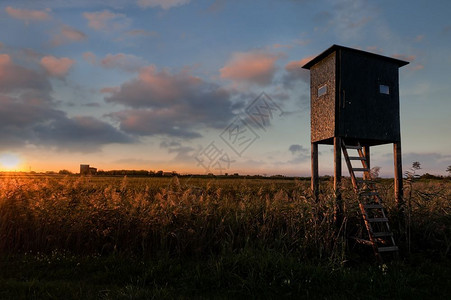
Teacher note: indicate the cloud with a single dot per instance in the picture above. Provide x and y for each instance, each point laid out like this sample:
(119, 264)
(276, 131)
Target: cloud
(90, 57)
(126, 62)
(299, 152)
(183, 153)
(375, 49)
(20, 112)
(417, 67)
(28, 15)
(294, 73)
(431, 162)
(256, 67)
(66, 35)
(146, 122)
(414, 66)
(106, 20)
(409, 58)
(136, 33)
(277, 46)
(164, 4)
(28, 114)
(29, 120)
(141, 32)
(110, 90)
(217, 6)
(346, 18)
(79, 133)
(15, 78)
(419, 38)
(163, 103)
(57, 67)
(294, 43)
(296, 149)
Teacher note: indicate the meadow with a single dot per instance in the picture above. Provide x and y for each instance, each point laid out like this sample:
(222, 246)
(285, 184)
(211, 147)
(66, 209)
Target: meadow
(141, 238)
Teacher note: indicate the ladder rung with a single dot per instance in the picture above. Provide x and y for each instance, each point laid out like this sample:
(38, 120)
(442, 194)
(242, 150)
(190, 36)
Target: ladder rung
(375, 220)
(382, 234)
(356, 158)
(353, 147)
(387, 249)
(360, 169)
(372, 206)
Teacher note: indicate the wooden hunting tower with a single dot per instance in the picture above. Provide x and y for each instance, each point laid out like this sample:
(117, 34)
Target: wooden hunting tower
(354, 105)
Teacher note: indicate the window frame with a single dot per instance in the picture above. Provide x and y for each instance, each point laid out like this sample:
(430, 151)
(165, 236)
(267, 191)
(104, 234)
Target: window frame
(384, 89)
(321, 87)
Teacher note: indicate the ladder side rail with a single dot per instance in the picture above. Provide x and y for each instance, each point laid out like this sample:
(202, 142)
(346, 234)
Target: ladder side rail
(349, 165)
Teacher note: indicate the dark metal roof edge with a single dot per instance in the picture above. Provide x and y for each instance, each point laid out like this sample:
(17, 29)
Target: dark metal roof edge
(335, 47)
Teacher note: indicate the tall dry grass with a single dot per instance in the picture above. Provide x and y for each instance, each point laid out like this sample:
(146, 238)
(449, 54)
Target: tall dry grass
(136, 216)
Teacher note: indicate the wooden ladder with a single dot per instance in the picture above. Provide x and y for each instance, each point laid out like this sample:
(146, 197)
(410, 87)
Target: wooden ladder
(370, 203)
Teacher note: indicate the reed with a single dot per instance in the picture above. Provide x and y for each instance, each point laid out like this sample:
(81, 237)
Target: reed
(196, 217)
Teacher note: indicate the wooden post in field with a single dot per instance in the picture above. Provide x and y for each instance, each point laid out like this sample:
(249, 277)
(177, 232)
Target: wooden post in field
(315, 177)
(366, 152)
(398, 176)
(337, 181)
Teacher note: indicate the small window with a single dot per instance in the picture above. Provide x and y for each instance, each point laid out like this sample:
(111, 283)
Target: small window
(384, 89)
(322, 90)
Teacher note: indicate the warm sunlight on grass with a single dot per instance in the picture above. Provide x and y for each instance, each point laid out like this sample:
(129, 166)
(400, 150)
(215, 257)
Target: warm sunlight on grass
(10, 162)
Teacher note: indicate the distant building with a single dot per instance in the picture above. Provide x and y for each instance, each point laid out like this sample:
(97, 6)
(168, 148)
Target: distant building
(87, 170)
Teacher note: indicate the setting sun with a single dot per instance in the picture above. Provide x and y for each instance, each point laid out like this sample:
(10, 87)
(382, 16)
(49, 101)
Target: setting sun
(9, 162)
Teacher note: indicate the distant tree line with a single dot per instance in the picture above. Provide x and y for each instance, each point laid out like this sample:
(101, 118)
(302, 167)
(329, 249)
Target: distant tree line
(138, 173)
(375, 172)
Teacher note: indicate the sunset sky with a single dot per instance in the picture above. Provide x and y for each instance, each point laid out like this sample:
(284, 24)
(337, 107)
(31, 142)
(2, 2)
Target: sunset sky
(160, 84)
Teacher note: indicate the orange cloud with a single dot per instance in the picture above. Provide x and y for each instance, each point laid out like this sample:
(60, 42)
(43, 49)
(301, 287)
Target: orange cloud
(409, 58)
(295, 73)
(106, 20)
(297, 64)
(277, 46)
(15, 78)
(90, 57)
(375, 49)
(67, 35)
(417, 67)
(122, 61)
(28, 15)
(164, 85)
(110, 90)
(57, 67)
(4, 59)
(171, 104)
(255, 67)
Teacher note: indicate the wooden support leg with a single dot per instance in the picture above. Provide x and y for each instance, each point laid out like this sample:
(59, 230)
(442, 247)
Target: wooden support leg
(398, 176)
(337, 181)
(366, 152)
(315, 177)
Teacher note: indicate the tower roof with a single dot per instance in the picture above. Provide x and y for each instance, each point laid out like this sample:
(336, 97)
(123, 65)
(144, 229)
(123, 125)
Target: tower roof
(334, 48)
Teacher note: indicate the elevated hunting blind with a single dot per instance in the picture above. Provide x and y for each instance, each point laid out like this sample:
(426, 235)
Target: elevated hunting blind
(354, 97)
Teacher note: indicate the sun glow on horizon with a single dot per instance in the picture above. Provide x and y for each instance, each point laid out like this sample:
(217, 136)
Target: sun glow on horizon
(10, 162)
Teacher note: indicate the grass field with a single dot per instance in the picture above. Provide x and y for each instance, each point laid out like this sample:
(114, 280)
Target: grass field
(141, 238)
